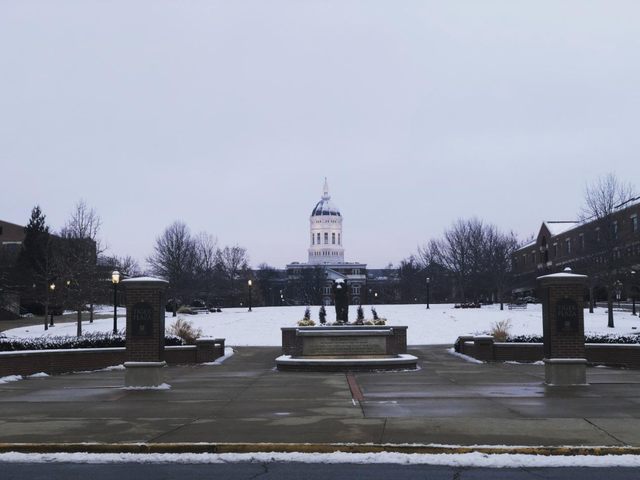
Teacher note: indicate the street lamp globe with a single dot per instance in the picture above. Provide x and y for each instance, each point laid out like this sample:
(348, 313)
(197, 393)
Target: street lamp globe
(115, 276)
(250, 283)
(52, 287)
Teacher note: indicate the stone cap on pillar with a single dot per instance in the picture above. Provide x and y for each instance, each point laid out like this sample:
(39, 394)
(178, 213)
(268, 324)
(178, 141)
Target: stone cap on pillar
(565, 277)
(145, 282)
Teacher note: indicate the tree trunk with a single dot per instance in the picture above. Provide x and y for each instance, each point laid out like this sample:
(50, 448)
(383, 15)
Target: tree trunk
(610, 307)
(91, 313)
(175, 305)
(79, 332)
(591, 302)
(46, 314)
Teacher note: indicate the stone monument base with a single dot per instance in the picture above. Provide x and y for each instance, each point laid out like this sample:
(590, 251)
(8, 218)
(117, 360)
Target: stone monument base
(345, 348)
(144, 374)
(565, 371)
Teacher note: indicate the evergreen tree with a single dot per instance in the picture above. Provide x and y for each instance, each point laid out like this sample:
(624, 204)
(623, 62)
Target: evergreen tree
(323, 315)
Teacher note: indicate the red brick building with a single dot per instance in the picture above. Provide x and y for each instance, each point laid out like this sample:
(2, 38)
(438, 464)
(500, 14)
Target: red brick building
(562, 244)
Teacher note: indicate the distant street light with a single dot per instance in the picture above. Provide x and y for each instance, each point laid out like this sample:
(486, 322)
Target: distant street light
(369, 296)
(250, 285)
(633, 290)
(428, 293)
(115, 278)
(52, 287)
(281, 298)
(375, 297)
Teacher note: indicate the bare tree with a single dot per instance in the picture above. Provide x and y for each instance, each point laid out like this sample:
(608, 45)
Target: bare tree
(498, 250)
(206, 250)
(173, 259)
(266, 277)
(606, 241)
(233, 271)
(81, 246)
(460, 252)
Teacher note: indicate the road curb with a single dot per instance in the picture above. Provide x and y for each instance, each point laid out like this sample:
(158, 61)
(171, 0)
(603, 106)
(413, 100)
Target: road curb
(222, 448)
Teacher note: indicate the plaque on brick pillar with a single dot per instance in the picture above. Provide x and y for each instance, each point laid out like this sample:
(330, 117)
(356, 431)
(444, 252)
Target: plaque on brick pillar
(562, 297)
(145, 302)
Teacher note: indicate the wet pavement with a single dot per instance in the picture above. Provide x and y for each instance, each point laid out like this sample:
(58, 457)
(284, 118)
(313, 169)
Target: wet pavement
(447, 401)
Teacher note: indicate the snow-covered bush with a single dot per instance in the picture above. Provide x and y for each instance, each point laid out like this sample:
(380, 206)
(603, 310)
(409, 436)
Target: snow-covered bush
(184, 329)
(185, 310)
(589, 337)
(88, 340)
(306, 323)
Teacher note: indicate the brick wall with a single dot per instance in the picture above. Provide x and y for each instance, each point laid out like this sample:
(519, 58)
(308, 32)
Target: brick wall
(570, 344)
(55, 362)
(596, 353)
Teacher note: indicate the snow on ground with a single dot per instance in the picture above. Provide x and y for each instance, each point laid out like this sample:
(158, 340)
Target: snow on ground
(441, 324)
(468, 460)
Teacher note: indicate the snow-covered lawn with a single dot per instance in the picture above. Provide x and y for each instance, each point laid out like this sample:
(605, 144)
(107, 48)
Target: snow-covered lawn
(440, 325)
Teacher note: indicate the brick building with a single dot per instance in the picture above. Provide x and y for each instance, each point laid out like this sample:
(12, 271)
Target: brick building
(575, 244)
(11, 236)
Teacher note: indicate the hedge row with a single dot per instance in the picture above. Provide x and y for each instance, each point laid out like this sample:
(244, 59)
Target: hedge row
(87, 340)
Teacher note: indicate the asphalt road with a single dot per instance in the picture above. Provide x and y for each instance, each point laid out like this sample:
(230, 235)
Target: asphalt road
(297, 471)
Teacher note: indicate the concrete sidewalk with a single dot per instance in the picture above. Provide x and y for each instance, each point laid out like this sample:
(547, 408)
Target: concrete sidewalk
(448, 401)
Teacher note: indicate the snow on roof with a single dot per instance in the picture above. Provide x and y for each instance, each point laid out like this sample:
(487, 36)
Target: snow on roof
(144, 279)
(558, 227)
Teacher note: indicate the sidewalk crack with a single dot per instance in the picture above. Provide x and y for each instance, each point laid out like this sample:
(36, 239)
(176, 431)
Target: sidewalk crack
(604, 431)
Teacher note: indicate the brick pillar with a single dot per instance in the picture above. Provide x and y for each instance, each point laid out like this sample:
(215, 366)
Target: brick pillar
(563, 328)
(483, 347)
(145, 302)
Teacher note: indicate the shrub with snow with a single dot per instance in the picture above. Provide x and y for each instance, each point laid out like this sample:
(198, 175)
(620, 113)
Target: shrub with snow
(88, 340)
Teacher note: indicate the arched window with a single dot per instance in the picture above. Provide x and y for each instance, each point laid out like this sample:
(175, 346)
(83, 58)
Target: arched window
(339, 240)
(318, 242)
(333, 238)
(326, 238)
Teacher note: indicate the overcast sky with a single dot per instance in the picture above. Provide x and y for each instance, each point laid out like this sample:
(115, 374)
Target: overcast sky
(229, 114)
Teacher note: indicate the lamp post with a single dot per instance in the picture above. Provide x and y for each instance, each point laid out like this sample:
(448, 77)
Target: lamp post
(115, 278)
(369, 296)
(52, 287)
(428, 285)
(281, 298)
(250, 285)
(633, 291)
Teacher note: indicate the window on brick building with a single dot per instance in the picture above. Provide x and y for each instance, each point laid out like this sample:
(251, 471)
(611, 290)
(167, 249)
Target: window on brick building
(615, 230)
(582, 242)
(634, 225)
(333, 238)
(533, 257)
(555, 250)
(568, 246)
(326, 238)
(326, 290)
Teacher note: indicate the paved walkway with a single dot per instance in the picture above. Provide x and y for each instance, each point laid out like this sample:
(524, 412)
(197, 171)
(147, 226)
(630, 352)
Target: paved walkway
(448, 401)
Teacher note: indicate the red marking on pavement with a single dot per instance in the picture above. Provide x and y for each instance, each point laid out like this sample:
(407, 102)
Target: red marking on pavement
(356, 394)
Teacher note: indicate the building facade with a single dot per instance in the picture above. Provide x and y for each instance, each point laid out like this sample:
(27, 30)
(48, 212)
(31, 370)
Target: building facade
(11, 236)
(311, 282)
(578, 245)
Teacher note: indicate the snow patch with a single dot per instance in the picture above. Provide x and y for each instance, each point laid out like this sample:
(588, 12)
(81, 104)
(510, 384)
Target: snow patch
(10, 378)
(465, 357)
(228, 352)
(164, 386)
(475, 460)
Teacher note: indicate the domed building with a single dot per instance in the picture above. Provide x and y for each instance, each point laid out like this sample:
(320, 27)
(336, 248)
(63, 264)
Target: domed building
(326, 259)
(326, 232)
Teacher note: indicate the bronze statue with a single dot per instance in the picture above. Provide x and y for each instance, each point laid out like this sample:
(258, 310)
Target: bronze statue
(341, 295)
